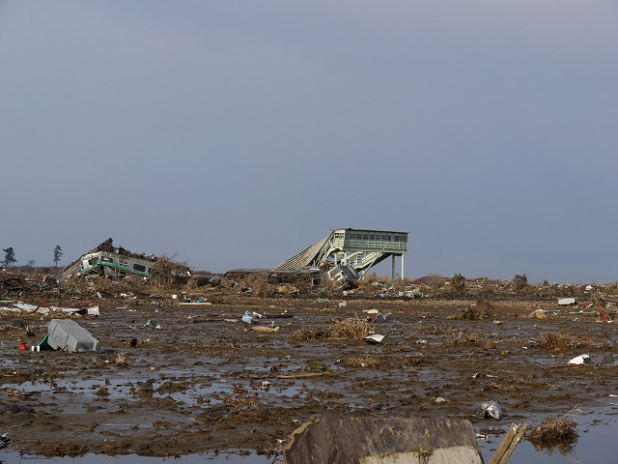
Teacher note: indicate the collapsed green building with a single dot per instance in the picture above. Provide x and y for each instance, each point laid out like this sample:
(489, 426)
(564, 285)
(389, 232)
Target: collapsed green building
(350, 253)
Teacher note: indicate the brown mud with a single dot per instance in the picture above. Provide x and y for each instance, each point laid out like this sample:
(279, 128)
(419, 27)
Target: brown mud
(202, 383)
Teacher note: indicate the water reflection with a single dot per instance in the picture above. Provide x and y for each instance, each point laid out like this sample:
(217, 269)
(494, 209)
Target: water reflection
(11, 457)
(596, 443)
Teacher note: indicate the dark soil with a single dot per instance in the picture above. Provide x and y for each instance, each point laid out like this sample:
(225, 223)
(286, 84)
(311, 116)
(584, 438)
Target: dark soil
(200, 383)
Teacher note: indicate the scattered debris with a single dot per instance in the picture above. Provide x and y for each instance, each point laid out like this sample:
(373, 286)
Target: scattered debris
(343, 276)
(45, 308)
(68, 335)
(197, 302)
(4, 440)
(581, 359)
(21, 325)
(567, 301)
(283, 315)
(491, 409)
(604, 315)
(371, 312)
(150, 324)
(412, 293)
(249, 319)
(92, 311)
(265, 329)
(142, 300)
(287, 289)
(374, 339)
(378, 318)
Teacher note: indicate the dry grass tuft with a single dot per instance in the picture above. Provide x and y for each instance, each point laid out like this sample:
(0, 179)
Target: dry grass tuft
(329, 288)
(561, 341)
(240, 398)
(455, 338)
(554, 434)
(362, 361)
(355, 329)
(307, 334)
(484, 306)
(258, 283)
(476, 339)
(121, 360)
(478, 311)
(102, 391)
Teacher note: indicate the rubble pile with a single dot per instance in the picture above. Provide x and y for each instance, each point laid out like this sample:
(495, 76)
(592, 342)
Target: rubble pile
(165, 282)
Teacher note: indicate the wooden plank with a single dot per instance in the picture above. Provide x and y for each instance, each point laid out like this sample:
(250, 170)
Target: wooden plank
(508, 444)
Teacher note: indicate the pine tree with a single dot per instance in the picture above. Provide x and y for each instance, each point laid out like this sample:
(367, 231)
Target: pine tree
(9, 257)
(57, 254)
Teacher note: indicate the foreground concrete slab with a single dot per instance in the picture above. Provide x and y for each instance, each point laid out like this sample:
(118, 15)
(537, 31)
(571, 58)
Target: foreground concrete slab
(380, 440)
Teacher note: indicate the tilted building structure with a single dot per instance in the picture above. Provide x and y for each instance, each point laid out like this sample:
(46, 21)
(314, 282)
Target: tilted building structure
(350, 253)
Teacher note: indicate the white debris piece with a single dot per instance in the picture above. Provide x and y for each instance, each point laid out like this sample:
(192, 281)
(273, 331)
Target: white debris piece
(581, 359)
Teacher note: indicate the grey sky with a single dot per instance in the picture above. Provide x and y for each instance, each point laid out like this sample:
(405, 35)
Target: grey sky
(235, 133)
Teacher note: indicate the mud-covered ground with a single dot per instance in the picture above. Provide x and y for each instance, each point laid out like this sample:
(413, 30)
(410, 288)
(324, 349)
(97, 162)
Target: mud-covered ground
(202, 382)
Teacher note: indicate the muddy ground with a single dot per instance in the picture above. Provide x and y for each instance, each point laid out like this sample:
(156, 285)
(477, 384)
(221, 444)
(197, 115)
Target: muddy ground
(202, 382)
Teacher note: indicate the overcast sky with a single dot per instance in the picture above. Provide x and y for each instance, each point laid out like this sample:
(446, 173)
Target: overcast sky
(235, 133)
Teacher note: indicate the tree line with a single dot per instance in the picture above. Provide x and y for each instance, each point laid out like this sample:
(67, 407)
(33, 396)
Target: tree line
(10, 260)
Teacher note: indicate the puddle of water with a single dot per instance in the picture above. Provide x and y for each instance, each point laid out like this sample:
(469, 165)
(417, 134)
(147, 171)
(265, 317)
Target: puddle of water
(596, 443)
(13, 457)
(87, 389)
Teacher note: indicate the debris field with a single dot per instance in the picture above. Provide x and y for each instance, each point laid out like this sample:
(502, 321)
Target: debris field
(231, 365)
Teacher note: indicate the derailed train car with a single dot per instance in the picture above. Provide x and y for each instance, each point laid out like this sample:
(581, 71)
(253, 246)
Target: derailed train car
(110, 261)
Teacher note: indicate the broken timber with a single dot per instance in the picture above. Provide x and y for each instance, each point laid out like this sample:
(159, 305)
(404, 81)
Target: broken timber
(508, 444)
(380, 440)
